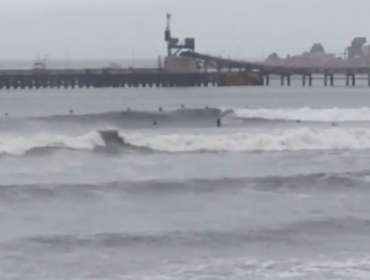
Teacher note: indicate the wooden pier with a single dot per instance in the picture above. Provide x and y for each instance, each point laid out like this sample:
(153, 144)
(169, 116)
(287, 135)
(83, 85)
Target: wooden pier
(105, 78)
(208, 71)
(326, 79)
(349, 72)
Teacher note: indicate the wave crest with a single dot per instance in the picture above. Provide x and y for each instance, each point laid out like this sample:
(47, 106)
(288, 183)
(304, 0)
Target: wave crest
(306, 114)
(274, 183)
(302, 139)
(132, 118)
(108, 140)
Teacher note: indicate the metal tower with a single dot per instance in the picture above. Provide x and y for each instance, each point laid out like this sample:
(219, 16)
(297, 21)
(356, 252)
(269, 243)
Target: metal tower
(173, 44)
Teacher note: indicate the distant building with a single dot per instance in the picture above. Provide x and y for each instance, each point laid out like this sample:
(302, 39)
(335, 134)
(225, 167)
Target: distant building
(366, 50)
(317, 48)
(355, 50)
(357, 54)
(273, 58)
(315, 56)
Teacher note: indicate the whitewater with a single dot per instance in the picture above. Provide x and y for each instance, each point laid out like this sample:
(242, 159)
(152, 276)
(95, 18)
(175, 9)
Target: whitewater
(143, 183)
(305, 138)
(333, 114)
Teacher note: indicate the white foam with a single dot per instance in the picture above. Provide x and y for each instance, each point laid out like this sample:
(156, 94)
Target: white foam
(333, 138)
(307, 114)
(279, 140)
(260, 269)
(21, 144)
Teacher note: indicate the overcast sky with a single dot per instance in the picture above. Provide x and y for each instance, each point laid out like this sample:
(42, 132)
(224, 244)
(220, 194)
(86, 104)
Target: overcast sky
(107, 29)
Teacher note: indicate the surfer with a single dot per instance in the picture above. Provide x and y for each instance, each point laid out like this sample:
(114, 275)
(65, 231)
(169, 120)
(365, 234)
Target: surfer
(160, 109)
(71, 111)
(219, 122)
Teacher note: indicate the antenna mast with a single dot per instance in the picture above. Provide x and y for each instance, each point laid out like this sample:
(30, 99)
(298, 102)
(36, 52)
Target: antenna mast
(167, 33)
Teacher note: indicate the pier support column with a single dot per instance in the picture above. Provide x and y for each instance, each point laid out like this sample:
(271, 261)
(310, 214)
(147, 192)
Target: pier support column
(304, 80)
(347, 80)
(310, 80)
(218, 77)
(368, 79)
(288, 80)
(282, 80)
(332, 79)
(267, 80)
(325, 80)
(353, 80)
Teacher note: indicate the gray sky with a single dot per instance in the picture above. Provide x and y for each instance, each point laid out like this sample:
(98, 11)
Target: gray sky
(111, 29)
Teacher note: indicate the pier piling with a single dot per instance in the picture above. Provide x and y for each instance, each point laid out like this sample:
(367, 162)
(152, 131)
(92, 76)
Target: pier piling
(267, 80)
(282, 80)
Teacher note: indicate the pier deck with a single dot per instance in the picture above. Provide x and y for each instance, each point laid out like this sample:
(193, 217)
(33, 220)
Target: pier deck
(329, 72)
(226, 72)
(104, 78)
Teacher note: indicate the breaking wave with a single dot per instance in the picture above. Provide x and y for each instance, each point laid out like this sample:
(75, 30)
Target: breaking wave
(198, 114)
(279, 140)
(127, 118)
(306, 114)
(302, 139)
(287, 233)
(297, 182)
(102, 140)
(193, 117)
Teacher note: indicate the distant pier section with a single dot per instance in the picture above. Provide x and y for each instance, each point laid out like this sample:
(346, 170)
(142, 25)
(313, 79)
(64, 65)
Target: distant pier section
(184, 67)
(174, 70)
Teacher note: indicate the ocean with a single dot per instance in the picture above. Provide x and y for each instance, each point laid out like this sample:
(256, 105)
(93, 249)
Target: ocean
(102, 184)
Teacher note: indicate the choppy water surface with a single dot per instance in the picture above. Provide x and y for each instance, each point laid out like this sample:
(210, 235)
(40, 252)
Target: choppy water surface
(117, 189)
